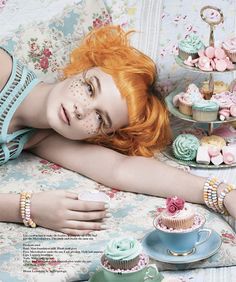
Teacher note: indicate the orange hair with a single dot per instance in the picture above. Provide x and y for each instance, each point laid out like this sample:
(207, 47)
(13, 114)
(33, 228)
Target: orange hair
(134, 74)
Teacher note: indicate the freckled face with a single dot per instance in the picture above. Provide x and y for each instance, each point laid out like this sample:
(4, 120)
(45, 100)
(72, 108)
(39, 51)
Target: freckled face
(80, 106)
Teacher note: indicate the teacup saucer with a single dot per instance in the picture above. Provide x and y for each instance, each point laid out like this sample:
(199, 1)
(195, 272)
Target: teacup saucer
(98, 276)
(155, 249)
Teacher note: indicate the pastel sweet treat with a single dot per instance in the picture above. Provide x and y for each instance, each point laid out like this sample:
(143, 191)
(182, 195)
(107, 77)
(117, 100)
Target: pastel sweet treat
(229, 154)
(232, 87)
(123, 253)
(232, 110)
(225, 99)
(224, 114)
(205, 110)
(213, 151)
(185, 147)
(186, 99)
(217, 160)
(202, 155)
(229, 47)
(211, 59)
(218, 87)
(177, 215)
(213, 140)
(226, 131)
(190, 47)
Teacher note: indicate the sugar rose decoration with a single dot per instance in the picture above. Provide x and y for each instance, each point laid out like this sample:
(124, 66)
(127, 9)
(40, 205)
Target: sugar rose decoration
(174, 204)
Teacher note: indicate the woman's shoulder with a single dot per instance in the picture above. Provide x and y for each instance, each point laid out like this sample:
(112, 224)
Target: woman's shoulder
(38, 137)
(6, 67)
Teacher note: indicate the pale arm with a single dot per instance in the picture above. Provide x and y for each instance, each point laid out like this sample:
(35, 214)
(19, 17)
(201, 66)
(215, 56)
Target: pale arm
(136, 174)
(9, 208)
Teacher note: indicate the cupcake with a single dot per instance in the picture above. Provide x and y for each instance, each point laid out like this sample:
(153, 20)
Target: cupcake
(186, 99)
(185, 147)
(213, 140)
(123, 253)
(176, 215)
(230, 48)
(205, 110)
(190, 47)
(219, 86)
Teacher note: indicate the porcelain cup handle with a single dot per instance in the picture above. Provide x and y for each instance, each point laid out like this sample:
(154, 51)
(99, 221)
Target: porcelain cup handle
(148, 275)
(204, 230)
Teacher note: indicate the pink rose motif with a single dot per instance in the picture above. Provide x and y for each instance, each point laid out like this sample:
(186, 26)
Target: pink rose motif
(174, 204)
(44, 62)
(47, 52)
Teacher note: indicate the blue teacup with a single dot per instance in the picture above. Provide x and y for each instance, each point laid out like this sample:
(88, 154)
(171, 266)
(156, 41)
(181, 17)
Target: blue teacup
(183, 242)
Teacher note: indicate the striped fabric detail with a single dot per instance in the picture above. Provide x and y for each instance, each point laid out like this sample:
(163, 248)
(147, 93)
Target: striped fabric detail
(149, 27)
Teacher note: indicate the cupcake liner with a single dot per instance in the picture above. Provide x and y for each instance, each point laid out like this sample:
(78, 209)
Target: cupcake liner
(178, 223)
(124, 264)
(184, 55)
(185, 109)
(204, 116)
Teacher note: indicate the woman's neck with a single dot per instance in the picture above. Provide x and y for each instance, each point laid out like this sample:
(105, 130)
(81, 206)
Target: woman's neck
(32, 111)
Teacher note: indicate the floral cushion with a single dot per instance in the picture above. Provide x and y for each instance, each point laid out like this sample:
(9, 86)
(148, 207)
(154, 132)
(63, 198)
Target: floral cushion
(45, 46)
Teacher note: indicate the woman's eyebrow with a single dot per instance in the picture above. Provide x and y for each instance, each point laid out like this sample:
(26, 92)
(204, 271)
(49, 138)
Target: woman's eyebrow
(106, 115)
(98, 83)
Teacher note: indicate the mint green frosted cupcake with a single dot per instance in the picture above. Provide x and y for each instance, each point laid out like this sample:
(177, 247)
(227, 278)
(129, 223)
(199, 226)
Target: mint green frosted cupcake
(123, 253)
(185, 147)
(205, 110)
(190, 47)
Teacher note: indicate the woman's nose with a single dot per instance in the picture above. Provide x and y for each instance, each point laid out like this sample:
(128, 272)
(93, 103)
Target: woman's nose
(81, 112)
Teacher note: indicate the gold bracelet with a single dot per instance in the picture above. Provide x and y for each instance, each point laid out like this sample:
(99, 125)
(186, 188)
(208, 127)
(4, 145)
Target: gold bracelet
(25, 199)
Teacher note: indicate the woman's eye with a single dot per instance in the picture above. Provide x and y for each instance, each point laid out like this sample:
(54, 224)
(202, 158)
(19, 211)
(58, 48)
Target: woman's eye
(90, 89)
(99, 118)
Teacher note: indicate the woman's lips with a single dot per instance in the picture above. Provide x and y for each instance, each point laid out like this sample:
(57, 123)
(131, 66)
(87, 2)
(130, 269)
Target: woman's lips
(64, 115)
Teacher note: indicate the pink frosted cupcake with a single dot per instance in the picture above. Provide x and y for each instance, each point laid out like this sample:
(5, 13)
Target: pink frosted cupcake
(176, 214)
(187, 99)
(230, 48)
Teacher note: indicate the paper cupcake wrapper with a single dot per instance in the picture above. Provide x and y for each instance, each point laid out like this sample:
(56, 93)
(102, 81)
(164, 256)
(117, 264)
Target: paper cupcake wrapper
(124, 264)
(204, 116)
(178, 223)
(184, 55)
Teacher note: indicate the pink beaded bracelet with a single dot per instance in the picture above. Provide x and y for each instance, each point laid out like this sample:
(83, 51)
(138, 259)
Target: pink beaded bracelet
(221, 198)
(25, 198)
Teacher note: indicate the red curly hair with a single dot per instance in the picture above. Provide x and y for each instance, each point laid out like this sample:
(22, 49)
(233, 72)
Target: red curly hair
(134, 74)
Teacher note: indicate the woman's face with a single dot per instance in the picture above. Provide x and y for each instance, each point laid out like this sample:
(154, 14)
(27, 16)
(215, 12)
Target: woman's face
(81, 106)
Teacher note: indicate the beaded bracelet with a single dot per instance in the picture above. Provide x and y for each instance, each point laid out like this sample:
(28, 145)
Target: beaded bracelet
(221, 198)
(25, 198)
(210, 193)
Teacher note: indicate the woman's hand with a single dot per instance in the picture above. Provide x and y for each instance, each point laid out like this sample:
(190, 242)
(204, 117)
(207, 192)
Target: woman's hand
(62, 211)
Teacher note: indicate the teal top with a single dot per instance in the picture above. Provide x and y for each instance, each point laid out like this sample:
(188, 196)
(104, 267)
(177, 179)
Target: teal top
(18, 86)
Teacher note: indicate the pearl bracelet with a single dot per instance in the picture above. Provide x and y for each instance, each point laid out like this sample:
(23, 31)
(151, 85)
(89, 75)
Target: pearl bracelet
(25, 199)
